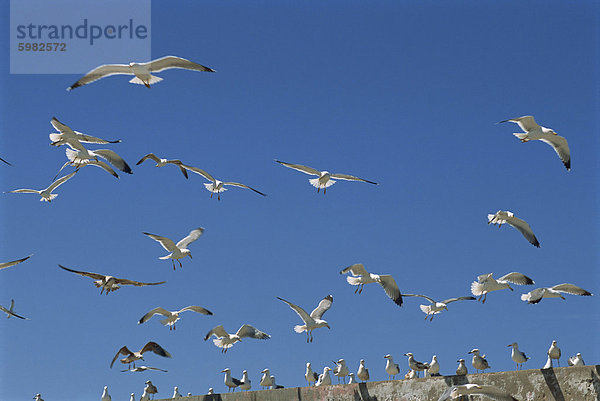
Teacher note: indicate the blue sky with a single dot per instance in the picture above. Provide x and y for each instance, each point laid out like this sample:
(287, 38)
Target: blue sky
(403, 93)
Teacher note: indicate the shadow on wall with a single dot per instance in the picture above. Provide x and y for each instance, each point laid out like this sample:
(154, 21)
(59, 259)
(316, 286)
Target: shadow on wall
(552, 383)
(362, 394)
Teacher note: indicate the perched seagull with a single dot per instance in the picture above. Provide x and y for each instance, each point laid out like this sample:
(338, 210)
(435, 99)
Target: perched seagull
(164, 162)
(312, 321)
(4, 161)
(341, 370)
(230, 382)
(486, 283)
(360, 277)
(275, 386)
(176, 393)
(210, 391)
(132, 397)
(324, 378)
(38, 397)
(179, 250)
(10, 311)
(224, 340)
(411, 374)
(105, 395)
(437, 307)
(462, 368)
(143, 369)
(554, 353)
(416, 365)
(142, 71)
(391, 368)
(131, 357)
(535, 296)
(66, 135)
(46, 194)
(78, 156)
(216, 186)
(576, 360)
(352, 378)
(456, 392)
(502, 217)
(150, 388)
(362, 373)
(108, 283)
(189, 394)
(172, 317)
(547, 135)
(517, 356)
(310, 376)
(145, 396)
(434, 367)
(479, 362)
(265, 380)
(548, 364)
(246, 383)
(325, 177)
(14, 262)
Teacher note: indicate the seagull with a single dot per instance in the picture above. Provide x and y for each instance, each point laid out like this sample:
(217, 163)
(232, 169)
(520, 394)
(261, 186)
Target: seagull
(411, 374)
(210, 391)
(1, 159)
(324, 378)
(434, 367)
(246, 383)
(391, 368)
(176, 393)
(576, 360)
(142, 71)
(105, 395)
(216, 186)
(312, 321)
(517, 356)
(547, 135)
(46, 194)
(462, 368)
(14, 262)
(164, 162)
(362, 373)
(10, 311)
(341, 370)
(310, 376)
(437, 307)
(275, 386)
(132, 397)
(456, 392)
(179, 250)
(67, 136)
(265, 380)
(225, 340)
(325, 177)
(360, 277)
(230, 382)
(554, 353)
(131, 357)
(143, 369)
(486, 283)
(108, 283)
(38, 397)
(479, 362)
(172, 317)
(535, 296)
(416, 365)
(145, 396)
(79, 156)
(502, 217)
(352, 378)
(150, 388)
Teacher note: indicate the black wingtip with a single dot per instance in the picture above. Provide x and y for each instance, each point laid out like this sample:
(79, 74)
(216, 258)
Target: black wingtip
(567, 165)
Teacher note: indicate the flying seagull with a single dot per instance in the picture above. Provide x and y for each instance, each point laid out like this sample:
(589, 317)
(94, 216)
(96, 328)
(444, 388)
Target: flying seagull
(108, 283)
(131, 357)
(456, 392)
(142, 71)
(225, 340)
(179, 250)
(143, 369)
(163, 162)
(502, 217)
(172, 317)
(325, 178)
(360, 277)
(46, 194)
(10, 311)
(486, 283)
(14, 262)
(535, 296)
(312, 321)
(67, 135)
(518, 356)
(437, 307)
(78, 156)
(533, 131)
(216, 186)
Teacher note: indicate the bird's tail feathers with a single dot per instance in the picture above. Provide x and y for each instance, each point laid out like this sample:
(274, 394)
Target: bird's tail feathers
(524, 297)
(219, 343)
(299, 329)
(209, 186)
(153, 79)
(52, 196)
(315, 183)
(425, 308)
(476, 288)
(521, 136)
(353, 280)
(54, 137)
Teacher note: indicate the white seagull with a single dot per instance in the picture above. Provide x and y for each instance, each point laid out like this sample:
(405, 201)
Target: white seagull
(436, 307)
(163, 162)
(215, 186)
(533, 131)
(132, 397)
(517, 356)
(434, 367)
(143, 369)
(108, 283)
(10, 311)
(312, 321)
(265, 380)
(324, 378)
(391, 368)
(230, 382)
(172, 317)
(360, 277)
(176, 393)
(14, 262)
(352, 379)
(416, 365)
(105, 395)
(224, 340)
(310, 376)
(78, 156)
(142, 71)
(461, 370)
(46, 194)
(554, 353)
(66, 135)
(363, 372)
(38, 397)
(535, 296)
(150, 388)
(324, 179)
(131, 357)
(246, 383)
(179, 250)
(457, 392)
(486, 283)
(576, 360)
(502, 217)
(479, 362)
(341, 370)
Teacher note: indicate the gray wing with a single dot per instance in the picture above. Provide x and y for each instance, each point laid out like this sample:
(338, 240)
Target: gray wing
(571, 289)
(95, 276)
(125, 281)
(446, 394)
(102, 165)
(114, 159)
(1, 159)
(199, 171)
(14, 262)
(60, 127)
(494, 393)
(323, 307)
(169, 62)
(24, 191)
(123, 351)
(485, 278)
(218, 332)
(561, 147)
(150, 156)
(527, 123)
(166, 243)
(158, 310)
(197, 309)
(157, 349)
(535, 296)
(301, 168)
(524, 228)
(3, 309)
(351, 178)
(447, 301)
(97, 73)
(301, 312)
(357, 269)
(60, 181)
(250, 331)
(419, 295)
(391, 288)
(237, 184)
(192, 236)
(517, 278)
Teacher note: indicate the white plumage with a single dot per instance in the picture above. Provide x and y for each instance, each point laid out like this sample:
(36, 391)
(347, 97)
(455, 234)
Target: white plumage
(535, 296)
(502, 217)
(179, 250)
(224, 340)
(518, 356)
(46, 194)
(172, 316)
(312, 321)
(360, 277)
(487, 283)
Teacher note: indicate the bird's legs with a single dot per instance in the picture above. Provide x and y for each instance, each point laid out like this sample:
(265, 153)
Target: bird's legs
(324, 190)
(484, 298)
(432, 315)
(361, 288)
(180, 265)
(173, 261)
(311, 337)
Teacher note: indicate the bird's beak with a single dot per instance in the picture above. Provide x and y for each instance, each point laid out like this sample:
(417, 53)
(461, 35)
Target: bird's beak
(330, 327)
(510, 345)
(510, 288)
(458, 360)
(223, 371)
(190, 255)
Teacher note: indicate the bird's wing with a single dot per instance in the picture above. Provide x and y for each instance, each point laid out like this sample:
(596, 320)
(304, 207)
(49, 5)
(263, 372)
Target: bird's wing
(485, 278)
(192, 236)
(301, 312)
(24, 191)
(123, 351)
(60, 181)
(249, 331)
(218, 331)
(447, 301)
(237, 184)
(527, 123)
(391, 288)
(150, 156)
(1, 159)
(300, 167)
(560, 146)
(198, 309)
(60, 127)
(351, 178)
(420, 295)
(114, 159)
(14, 262)
(535, 296)
(494, 393)
(157, 349)
(153, 312)
(102, 165)
(169, 62)
(95, 276)
(81, 137)
(323, 307)
(124, 281)
(151, 368)
(199, 171)
(517, 278)
(446, 394)
(101, 72)
(166, 243)
(525, 229)
(356, 269)
(3, 309)
(571, 289)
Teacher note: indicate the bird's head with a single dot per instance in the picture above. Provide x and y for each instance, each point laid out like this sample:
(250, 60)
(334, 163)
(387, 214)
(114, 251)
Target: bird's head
(388, 356)
(445, 307)
(408, 354)
(474, 351)
(513, 345)
(461, 361)
(553, 342)
(265, 371)
(327, 325)
(226, 370)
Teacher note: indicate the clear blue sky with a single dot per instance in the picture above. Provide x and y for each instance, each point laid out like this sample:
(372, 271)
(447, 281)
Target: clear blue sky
(400, 92)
